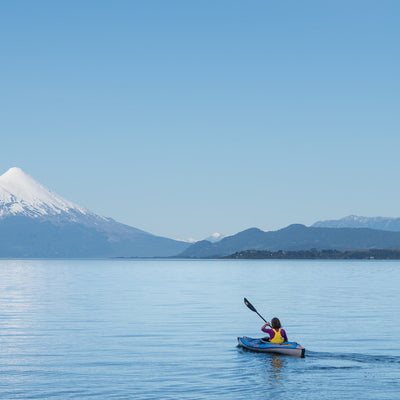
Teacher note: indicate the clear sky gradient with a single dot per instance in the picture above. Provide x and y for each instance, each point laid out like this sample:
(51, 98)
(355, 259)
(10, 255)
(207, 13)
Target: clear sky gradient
(184, 118)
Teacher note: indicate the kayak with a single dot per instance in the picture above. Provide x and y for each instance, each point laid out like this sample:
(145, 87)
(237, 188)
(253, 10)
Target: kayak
(258, 345)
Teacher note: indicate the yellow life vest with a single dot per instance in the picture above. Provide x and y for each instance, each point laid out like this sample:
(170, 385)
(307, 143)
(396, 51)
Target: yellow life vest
(278, 337)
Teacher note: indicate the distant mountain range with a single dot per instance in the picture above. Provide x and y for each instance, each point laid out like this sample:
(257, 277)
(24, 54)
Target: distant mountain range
(36, 222)
(296, 237)
(354, 221)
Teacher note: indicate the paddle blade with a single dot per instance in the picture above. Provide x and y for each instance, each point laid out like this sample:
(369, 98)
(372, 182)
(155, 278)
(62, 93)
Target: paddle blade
(249, 305)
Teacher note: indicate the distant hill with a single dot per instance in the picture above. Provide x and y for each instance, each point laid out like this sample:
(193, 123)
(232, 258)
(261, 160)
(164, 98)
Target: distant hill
(296, 237)
(354, 221)
(36, 222)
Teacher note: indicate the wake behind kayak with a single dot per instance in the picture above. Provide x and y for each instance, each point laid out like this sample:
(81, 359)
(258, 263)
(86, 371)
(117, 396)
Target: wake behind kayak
(287, 348)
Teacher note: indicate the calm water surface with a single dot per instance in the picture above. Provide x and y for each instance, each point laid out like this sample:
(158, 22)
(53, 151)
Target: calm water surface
(166, 329)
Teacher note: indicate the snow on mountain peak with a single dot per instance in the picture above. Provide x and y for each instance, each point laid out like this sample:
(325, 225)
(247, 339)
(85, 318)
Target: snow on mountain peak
(215, 237)
(20, 194)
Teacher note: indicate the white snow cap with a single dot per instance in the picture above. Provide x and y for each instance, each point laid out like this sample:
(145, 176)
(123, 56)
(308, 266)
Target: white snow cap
(20, 194)
(215, 237)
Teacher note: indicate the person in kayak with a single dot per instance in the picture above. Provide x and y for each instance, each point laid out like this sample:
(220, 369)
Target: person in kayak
(276, 334)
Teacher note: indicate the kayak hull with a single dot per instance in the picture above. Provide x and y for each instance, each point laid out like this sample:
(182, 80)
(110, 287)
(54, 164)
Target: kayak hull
(287, 348)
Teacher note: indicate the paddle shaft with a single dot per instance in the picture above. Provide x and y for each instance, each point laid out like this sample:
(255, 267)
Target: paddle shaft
(252, 308)
(261, 317)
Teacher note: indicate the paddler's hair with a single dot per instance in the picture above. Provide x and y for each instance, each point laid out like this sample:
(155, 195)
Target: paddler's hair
(275, 323)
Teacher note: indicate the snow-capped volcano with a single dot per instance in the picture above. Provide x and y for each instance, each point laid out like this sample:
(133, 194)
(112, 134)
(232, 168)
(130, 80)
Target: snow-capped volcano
(22, 195)
(36, 222)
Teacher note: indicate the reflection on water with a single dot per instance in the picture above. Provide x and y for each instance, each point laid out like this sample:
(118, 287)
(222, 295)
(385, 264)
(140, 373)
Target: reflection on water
(275, 368)
(277, 363)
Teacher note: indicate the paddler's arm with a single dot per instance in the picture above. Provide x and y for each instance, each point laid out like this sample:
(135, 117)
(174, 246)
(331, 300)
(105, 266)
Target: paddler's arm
(265, 326)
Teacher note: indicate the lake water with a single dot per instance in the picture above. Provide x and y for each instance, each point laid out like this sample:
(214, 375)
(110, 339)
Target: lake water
(166, 329)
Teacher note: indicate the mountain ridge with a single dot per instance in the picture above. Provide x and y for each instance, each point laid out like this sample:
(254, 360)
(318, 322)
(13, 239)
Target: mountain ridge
(296, 237)
(355, 221)
(37, 222)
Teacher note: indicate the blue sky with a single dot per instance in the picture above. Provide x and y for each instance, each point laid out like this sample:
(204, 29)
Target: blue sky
(184, 118)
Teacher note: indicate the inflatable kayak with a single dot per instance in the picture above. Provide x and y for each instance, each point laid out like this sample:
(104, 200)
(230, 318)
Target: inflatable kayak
(258, 345)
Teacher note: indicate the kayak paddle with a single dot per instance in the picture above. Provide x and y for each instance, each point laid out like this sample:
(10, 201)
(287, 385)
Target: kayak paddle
(252, 308)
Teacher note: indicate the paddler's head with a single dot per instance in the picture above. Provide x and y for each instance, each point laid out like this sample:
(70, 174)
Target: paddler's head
(275, 323)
